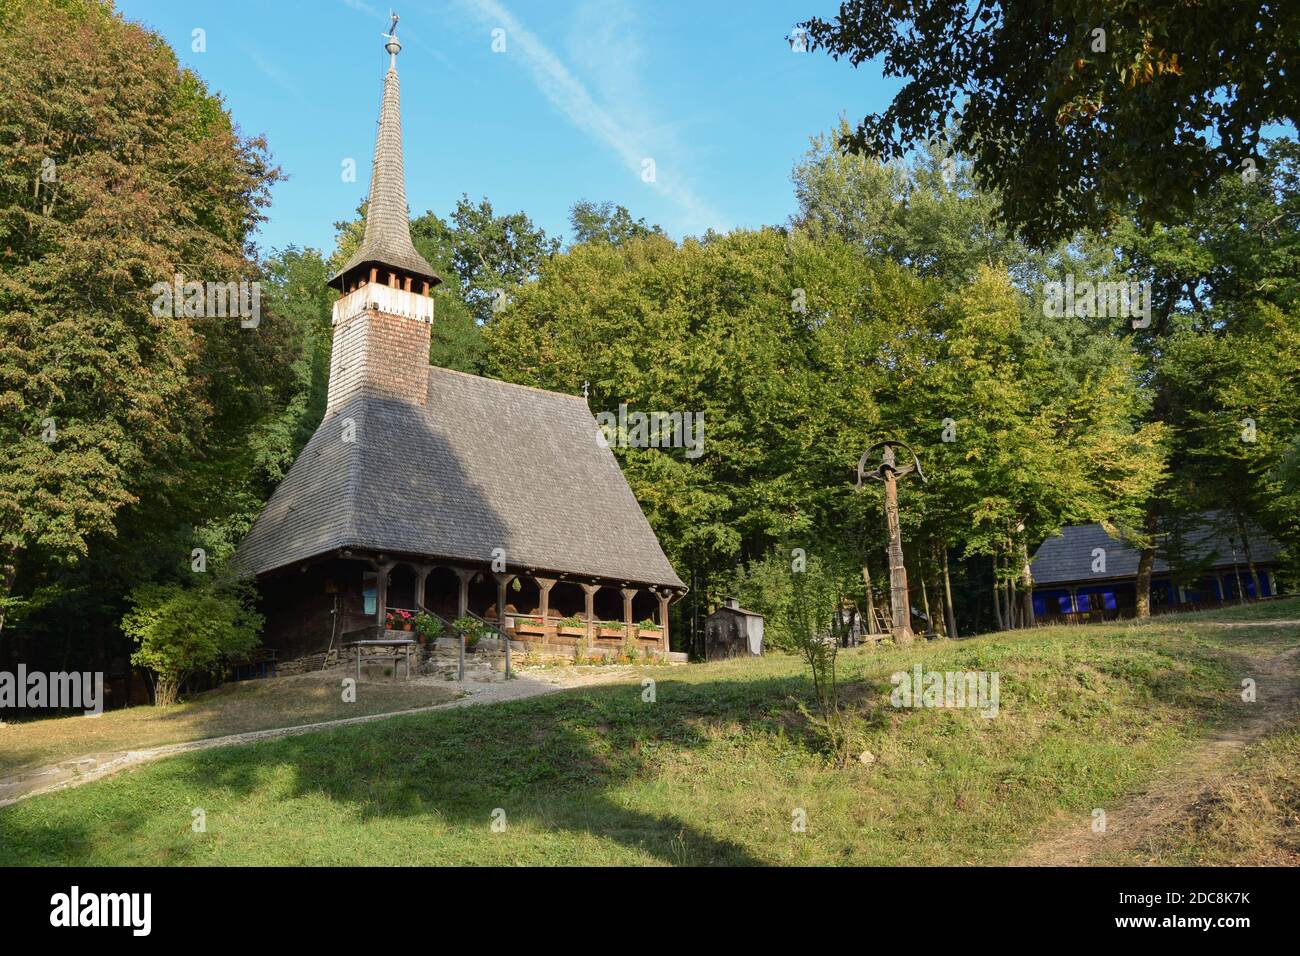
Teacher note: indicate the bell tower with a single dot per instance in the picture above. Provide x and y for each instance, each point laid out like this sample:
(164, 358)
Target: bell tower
(381, 320)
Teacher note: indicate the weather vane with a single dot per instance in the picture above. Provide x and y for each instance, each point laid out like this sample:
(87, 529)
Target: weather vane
(392, 46)
(888, 473)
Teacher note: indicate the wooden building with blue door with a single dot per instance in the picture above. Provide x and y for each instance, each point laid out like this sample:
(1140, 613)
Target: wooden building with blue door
(1084, 574)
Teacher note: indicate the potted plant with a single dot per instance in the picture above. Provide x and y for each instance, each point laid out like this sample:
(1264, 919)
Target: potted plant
(650, 629)
(572, 626)
(472, 628)
(427, 627)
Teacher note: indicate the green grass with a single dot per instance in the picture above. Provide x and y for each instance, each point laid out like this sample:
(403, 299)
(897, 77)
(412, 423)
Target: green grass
(710, 773)
(230, 709)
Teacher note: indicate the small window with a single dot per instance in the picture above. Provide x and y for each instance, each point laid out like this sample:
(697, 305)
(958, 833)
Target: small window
(368, 591)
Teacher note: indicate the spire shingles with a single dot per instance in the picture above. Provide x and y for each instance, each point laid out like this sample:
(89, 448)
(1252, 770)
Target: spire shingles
(387, 239)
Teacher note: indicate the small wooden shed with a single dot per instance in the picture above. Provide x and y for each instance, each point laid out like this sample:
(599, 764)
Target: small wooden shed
(732, 631)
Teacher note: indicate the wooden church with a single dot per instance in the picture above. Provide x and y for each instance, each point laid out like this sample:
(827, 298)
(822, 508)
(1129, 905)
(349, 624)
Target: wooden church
(430, 489)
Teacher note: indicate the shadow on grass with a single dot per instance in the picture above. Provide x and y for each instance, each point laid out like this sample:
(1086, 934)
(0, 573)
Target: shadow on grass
(573, 763)
(552, 762)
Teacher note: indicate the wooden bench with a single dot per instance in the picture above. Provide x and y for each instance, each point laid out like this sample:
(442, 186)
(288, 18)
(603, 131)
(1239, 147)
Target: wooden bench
(398, 650)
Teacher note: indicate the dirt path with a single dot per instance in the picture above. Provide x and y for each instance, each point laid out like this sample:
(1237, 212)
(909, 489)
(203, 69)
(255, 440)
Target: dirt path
(80, 770)
(1175, 795)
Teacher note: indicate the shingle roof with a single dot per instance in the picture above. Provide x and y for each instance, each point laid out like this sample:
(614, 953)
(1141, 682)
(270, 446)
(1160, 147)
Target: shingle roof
(387, 238)
(1068, 557)
(482, 465)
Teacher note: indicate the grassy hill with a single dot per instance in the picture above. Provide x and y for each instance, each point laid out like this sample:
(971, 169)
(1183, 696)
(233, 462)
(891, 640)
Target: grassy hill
(712, 772)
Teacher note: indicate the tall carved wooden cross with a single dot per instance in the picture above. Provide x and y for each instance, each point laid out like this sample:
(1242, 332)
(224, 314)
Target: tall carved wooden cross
(888, 473)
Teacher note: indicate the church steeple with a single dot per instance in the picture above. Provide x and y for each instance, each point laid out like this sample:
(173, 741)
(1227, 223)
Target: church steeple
(386, 253)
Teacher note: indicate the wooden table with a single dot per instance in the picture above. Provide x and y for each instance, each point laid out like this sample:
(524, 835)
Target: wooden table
(396, 643)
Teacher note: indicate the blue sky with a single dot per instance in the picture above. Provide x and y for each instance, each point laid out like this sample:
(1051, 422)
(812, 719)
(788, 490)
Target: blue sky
(584, 92)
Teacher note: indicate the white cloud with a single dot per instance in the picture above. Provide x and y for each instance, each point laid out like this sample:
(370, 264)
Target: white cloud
(612, 60)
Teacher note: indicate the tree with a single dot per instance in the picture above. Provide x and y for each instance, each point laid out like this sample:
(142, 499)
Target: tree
(928, 215)
(606, 222)
(1077, 112)
(814, 625)
(118, 170)
(495, 255)
(181, 631)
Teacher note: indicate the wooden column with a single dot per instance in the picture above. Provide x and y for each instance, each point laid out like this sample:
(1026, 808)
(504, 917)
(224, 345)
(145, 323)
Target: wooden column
(462, 606)
(590, 591)
(381, 590)
(503, 580)
(422, 572)
(628, 595)
(664, 597)
(544, 586)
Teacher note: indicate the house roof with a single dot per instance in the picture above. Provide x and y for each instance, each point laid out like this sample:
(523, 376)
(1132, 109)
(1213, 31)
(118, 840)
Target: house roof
(483, 464)
(1068, 557)
(387, 238)
(733, 610)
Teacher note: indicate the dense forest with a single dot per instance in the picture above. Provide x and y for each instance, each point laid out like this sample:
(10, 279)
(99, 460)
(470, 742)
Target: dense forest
(895, 303)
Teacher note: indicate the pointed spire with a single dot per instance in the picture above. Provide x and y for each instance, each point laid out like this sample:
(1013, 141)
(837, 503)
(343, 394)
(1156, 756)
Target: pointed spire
(387, 240)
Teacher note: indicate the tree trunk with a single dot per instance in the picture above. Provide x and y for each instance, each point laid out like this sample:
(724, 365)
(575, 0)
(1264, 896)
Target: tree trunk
(166, 690)
(1250, 558)
(1027, 579)
(997, 597)
(1146, 561)
(871, 601)
(949, 610)
(925, 604)
(8, 575)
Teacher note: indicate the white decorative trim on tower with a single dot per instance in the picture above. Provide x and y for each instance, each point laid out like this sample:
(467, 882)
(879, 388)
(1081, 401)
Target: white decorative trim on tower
(410, 305)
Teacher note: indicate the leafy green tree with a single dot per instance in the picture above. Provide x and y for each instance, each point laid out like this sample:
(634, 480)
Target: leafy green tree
(182, 631)
(606, 222)
(1077, 112)
(928, 215)
(118, 170)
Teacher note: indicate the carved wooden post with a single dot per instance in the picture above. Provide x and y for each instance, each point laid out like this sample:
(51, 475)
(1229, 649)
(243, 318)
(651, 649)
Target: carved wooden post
(422, 573)
(462, 610)
(899, 606)
(664, 596)
(898, 602)
(462, 605)
(544, 586)
(503, 581)
(381, 591)
(628, 595)
(590, 591)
